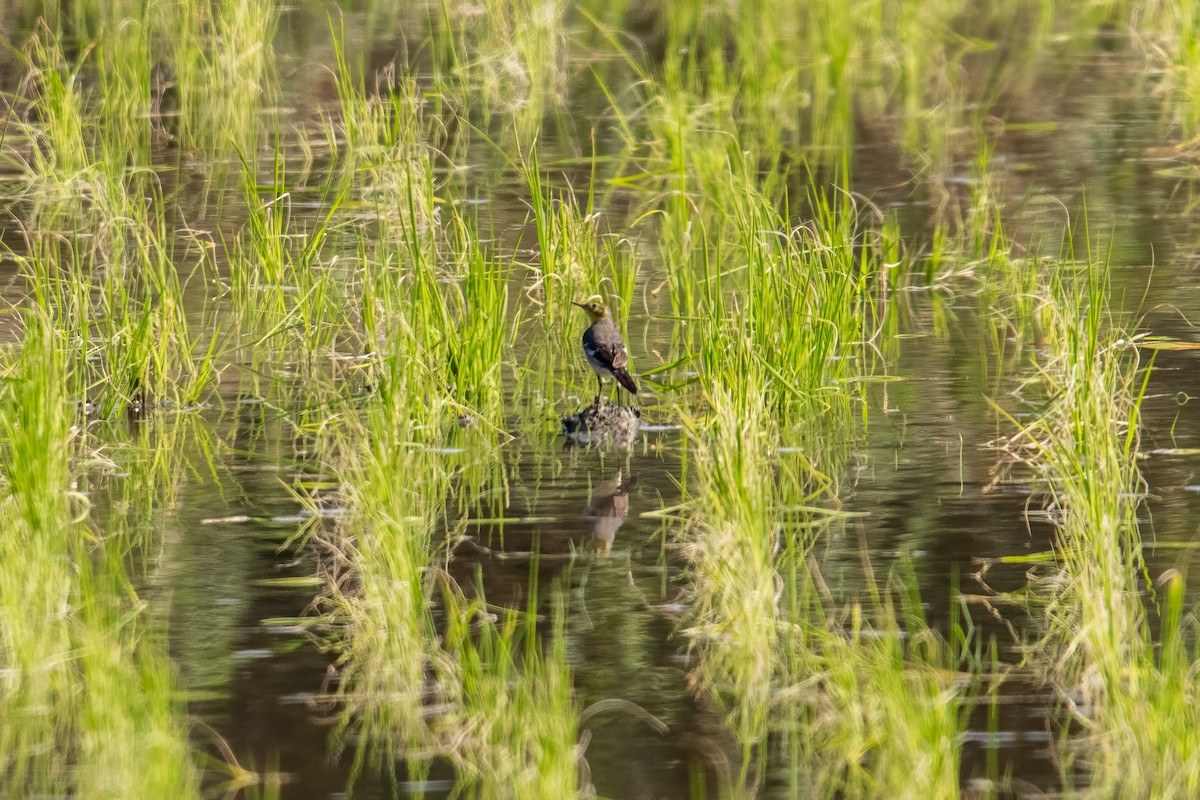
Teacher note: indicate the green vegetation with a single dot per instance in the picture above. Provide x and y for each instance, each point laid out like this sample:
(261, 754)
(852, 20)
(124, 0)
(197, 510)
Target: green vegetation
(288, 325)
(1126, 683)
(86, 675)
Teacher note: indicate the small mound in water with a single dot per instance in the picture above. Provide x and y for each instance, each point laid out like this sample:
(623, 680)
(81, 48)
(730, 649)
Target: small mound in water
(601, 425)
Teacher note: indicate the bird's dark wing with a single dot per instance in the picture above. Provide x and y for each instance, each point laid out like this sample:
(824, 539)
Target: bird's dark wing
(609, 352)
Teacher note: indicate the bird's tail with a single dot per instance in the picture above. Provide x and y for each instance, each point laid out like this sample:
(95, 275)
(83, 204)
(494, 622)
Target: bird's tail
(625, 379)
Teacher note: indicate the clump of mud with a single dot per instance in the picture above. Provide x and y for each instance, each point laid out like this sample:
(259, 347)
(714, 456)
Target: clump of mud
(606, 425)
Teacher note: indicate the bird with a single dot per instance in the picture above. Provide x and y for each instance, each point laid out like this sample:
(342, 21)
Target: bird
(604, 348)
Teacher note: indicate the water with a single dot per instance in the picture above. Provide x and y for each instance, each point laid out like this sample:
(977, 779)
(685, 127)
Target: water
(922, 484)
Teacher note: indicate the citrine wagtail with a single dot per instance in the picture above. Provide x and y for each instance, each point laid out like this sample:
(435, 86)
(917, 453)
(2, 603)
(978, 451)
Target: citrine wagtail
(604, 348)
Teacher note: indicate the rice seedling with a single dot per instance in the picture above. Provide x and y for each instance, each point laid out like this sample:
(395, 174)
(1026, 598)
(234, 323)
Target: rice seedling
(126, 103)
(287, 299)
(113, 282)
(453, 308)
(56, 157)
(1169, 34)
(1128, 694)
(731, 553)
(882, 699)
(87, 138)
(122, 301)
(785, 315)
(804, 80)
(133, 737)
(223, 68)
(870, 697)
(975, 247)
(380, 557)
(509, 60)
(1086, 449)
(513, 729)
(784, 308)
(387, 147)
(65, 624)
(447, 308)
(476, 327)
(36, 590)
(571, 262)
(394, 665)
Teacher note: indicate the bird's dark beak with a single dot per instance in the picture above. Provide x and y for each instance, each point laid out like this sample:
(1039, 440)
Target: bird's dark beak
(581, 305)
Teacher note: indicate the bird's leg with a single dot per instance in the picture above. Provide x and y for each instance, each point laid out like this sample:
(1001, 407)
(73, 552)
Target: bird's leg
(599, 389)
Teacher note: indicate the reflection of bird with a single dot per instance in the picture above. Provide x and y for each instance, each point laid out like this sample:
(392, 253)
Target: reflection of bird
(604, 348)
(607, 509)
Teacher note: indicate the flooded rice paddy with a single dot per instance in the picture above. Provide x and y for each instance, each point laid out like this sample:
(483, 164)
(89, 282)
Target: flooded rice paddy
(910, 293)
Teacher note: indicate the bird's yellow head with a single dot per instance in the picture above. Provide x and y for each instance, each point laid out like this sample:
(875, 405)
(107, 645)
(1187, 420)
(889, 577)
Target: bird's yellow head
(594, 309)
